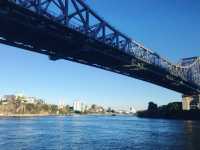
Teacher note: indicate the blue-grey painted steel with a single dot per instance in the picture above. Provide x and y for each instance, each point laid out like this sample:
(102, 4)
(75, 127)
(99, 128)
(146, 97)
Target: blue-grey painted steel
(79, 16)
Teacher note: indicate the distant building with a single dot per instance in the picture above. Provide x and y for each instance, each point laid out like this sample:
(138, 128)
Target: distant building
(8, 98)
(19, 95)
(35, 100)
(78, 106)
(30, 100)
(22, 99)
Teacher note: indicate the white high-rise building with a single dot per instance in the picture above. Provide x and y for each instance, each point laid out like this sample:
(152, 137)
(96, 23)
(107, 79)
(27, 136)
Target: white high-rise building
(78, 106)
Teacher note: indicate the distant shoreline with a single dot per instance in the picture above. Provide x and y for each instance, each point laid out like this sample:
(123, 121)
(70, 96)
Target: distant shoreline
(183, 115)
(46, 115)
(26, 115)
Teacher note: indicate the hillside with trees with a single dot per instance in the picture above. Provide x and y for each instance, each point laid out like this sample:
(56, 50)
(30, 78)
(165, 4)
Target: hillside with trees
(170, 111)
(13, 105)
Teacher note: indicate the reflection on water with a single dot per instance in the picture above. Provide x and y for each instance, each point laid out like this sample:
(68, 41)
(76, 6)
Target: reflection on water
(98, 133)
(192, 132)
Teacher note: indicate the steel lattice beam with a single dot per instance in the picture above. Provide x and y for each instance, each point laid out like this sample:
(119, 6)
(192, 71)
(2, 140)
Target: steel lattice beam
(78, 16)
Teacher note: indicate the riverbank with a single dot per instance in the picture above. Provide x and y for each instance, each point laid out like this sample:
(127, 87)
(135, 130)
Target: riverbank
(26, 115)
(71, 114)
(170, 111)
(182, 115)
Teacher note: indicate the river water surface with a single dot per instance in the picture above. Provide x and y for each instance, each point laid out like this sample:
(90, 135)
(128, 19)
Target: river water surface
(98, 133)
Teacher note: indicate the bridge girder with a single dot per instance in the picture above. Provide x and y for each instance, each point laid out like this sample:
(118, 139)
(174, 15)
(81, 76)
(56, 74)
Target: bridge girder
(76, 21)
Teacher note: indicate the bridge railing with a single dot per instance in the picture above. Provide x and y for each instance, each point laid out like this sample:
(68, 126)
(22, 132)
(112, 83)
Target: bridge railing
(77, 15)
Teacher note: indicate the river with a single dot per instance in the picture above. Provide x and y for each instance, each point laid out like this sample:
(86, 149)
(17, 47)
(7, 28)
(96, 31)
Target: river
(98, 133)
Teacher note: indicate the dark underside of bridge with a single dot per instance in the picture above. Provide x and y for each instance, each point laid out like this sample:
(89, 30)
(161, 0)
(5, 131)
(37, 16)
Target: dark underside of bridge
(27, 30)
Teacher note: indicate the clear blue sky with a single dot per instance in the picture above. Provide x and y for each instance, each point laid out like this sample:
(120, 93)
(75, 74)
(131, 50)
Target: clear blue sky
(169, 27)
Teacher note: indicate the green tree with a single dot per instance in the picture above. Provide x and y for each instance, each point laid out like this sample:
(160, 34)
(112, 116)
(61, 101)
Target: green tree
(67, 108)
(174, 107)
(152, 107)
(30, 108)
(45, 107)
(54, 109)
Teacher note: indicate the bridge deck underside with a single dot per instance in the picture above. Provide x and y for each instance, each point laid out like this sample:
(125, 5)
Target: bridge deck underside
(24, 29)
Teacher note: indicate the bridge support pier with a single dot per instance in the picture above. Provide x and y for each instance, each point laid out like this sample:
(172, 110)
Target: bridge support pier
(190, 102)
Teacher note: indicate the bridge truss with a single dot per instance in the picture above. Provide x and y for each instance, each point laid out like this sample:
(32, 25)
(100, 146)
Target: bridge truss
(77, 16)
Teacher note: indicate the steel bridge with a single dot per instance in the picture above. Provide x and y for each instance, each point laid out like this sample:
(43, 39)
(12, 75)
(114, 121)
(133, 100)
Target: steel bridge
(71, 30)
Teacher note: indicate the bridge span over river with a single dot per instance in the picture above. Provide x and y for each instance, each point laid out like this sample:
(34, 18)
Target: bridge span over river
(71, 30)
